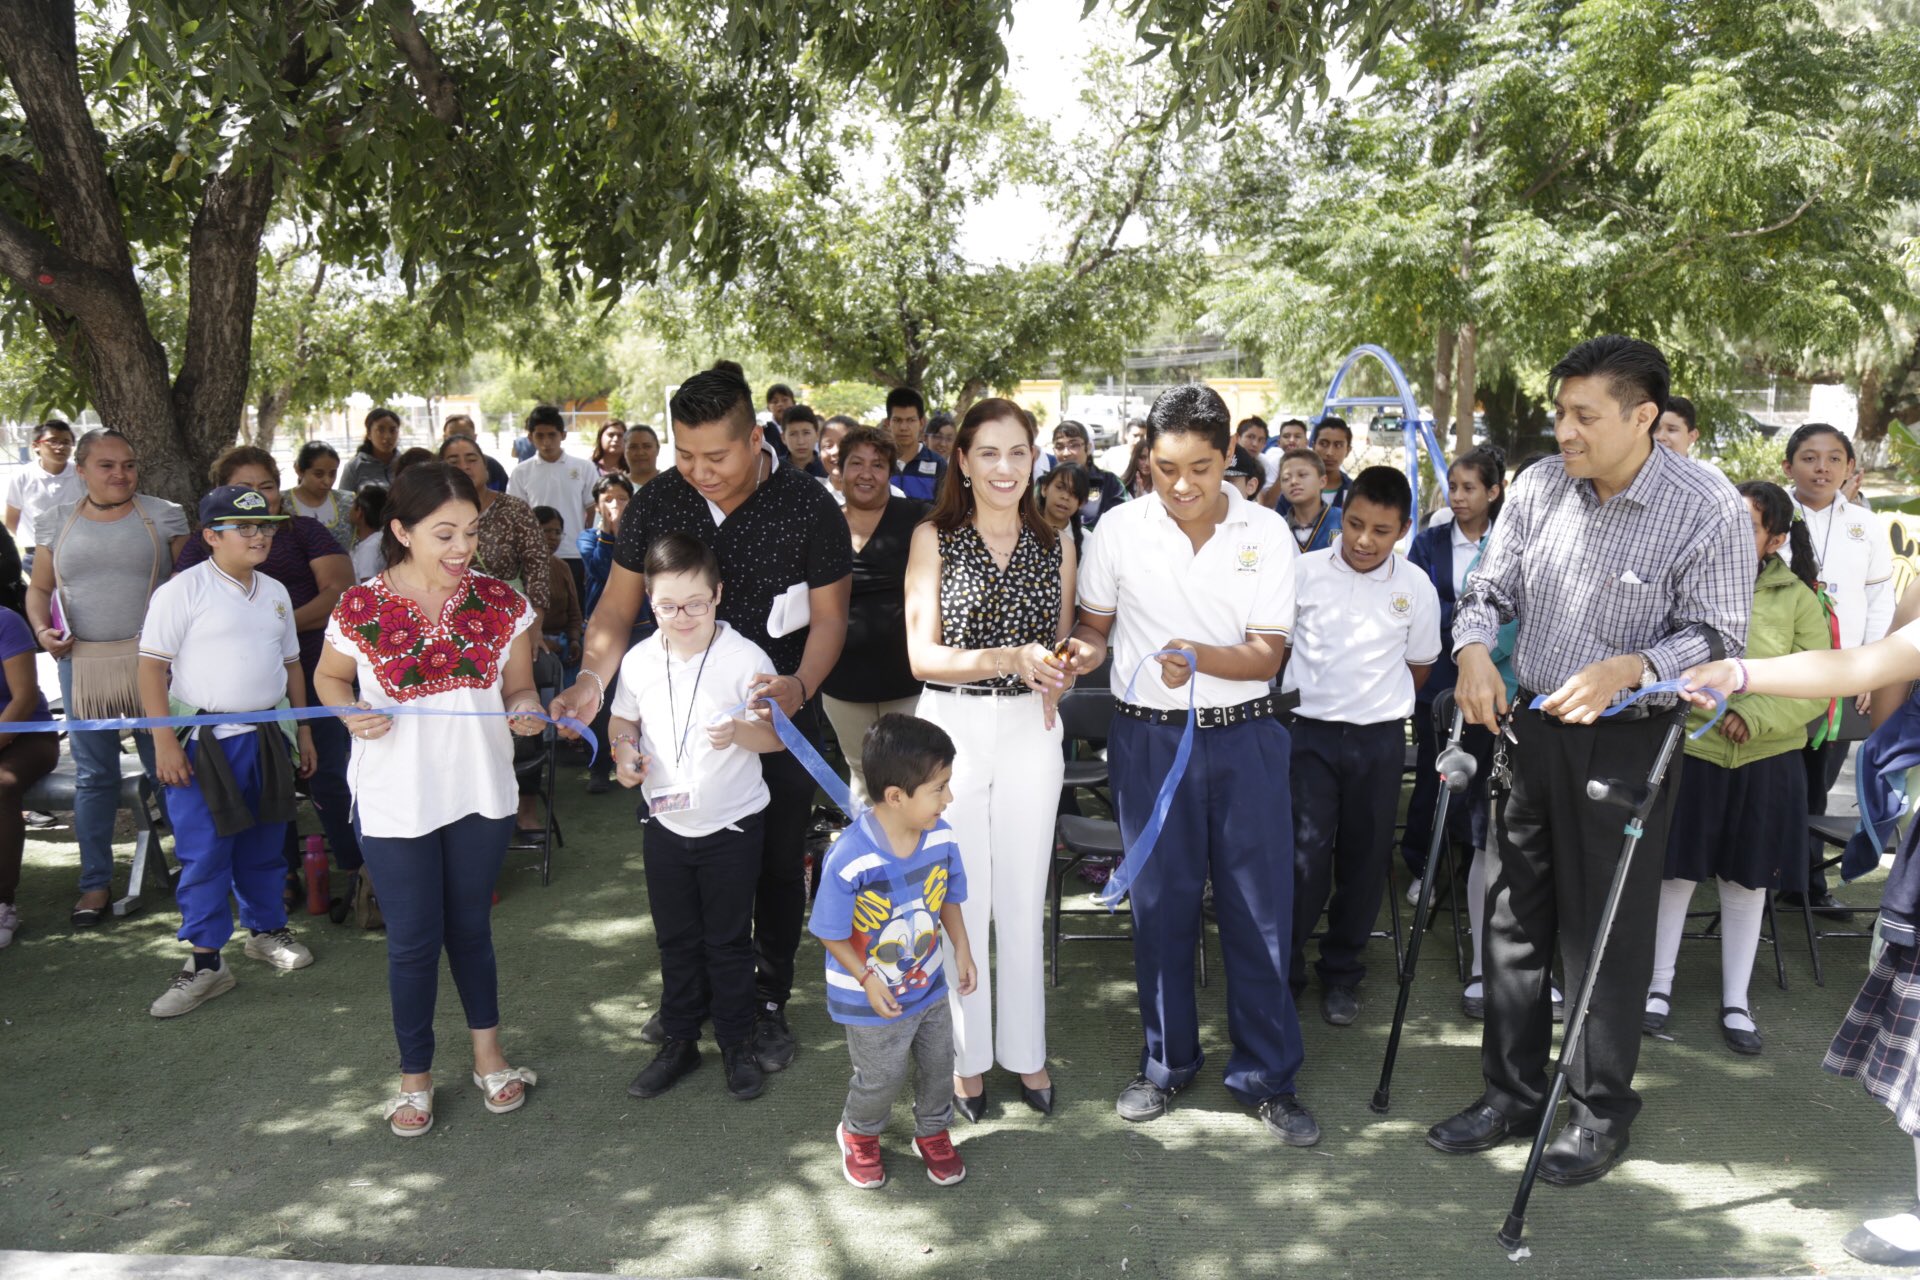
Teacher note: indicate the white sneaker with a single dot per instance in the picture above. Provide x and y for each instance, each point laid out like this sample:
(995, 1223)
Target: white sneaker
(9, 922)
(278, 949)
(1413, 894)
(192, 988)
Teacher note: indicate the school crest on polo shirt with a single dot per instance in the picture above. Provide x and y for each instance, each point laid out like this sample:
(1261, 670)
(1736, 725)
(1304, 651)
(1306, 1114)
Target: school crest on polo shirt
(1249, 557)
(1401, 603)
(1857, 531)
(280, 610)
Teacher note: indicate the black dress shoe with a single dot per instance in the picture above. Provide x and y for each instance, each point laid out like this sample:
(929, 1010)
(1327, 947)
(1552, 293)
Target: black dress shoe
(1868, 1247)
(1288, 1121)
(675, 1059)
(1339, 1006)
(1828, 907)
(745, 1079)
(1474, 1007)
(1040, 1100)
(1142, 1099)
(88, 917)
(772, 1042)
(1746, 1043)
(1653, 1021)
(654, 1032)
(1479, 1128)
(974, 1108)
(1579, 1155)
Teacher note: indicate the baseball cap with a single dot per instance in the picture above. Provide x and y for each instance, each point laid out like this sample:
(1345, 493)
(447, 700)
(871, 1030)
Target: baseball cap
(235, 502)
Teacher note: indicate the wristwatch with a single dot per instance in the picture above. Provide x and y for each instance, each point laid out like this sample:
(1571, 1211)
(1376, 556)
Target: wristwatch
(1647, 674)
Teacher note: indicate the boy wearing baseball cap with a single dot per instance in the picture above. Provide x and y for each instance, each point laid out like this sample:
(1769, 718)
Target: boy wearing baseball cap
(220, 637)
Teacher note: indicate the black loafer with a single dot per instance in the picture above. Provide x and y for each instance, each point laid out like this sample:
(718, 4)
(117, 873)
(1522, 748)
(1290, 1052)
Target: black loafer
(1040, 1100)
(974, 1108)
(1653, 1021)
(1474, 1007)
(1479, 1128)
(88, 917)
(1828, 907)
(1142, 1099)
(675, 1059)
(745, 1079)
(1868, 1247)
(1581, 1155)
(1339, 1006)
(1288, 1121)
(1746, 1043)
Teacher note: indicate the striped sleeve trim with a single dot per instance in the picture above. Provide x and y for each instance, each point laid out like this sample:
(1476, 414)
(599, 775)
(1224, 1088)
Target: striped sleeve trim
(1101, 610)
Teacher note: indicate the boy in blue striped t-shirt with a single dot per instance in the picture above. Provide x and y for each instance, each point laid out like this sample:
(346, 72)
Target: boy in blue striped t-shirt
(890, 884)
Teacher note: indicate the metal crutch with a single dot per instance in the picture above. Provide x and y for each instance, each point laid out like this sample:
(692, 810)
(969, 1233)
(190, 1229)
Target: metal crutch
(1456, 768)
(1637, 799)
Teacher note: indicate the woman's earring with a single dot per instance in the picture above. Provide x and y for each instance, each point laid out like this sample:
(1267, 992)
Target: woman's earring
(967, 481)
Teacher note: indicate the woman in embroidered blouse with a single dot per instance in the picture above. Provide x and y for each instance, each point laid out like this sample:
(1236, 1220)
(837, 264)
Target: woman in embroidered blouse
(989, 594)
(511, 546)
(434, 798)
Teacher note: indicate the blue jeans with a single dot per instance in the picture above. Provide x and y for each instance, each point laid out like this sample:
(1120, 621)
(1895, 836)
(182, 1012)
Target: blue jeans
(212, 866)
(436, 892)
(331, 798)
(96, 792)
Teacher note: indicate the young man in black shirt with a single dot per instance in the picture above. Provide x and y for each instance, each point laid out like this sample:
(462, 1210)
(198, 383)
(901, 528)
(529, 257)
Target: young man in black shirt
(786, 563)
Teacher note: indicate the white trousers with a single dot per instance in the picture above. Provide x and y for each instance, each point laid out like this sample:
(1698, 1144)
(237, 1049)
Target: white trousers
(1007, 772)
(850, 721)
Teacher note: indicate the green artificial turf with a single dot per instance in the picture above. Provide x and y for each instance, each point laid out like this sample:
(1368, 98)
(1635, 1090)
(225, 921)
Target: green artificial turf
(251, 1126)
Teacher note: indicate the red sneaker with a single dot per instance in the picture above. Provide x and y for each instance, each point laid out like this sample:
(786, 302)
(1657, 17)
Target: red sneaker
(861, 1161)
(944, 1166)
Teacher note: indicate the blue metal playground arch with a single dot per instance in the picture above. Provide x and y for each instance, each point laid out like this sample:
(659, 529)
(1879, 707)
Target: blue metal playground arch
(1416, 430)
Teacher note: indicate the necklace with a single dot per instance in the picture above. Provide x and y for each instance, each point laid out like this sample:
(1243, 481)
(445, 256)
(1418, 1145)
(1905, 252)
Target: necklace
(1826, 540)
(680, 741)
(98, 505)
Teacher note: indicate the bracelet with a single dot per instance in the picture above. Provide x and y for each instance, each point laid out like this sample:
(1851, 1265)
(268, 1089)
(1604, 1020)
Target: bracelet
(628, 740)
(588, 671)
(1741, 666)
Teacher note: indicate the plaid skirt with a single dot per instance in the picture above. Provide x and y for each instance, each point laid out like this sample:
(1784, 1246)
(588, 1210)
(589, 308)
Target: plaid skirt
(1879, 1043)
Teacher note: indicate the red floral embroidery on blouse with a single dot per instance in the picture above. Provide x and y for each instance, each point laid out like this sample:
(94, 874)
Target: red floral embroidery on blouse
(415, 656)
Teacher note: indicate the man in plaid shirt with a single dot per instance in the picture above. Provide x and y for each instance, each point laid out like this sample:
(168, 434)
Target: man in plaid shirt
(1625, 564)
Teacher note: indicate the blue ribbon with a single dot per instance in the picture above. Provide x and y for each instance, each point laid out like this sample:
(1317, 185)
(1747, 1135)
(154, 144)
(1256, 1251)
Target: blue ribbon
(1659, 687)
(1121, 881)
(796, 743)
(275, 715)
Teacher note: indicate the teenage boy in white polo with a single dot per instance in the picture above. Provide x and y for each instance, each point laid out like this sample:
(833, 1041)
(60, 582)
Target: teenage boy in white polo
(220, 637)
(51, 480)
(1195, 567)
(1365, 634)
(551, 479)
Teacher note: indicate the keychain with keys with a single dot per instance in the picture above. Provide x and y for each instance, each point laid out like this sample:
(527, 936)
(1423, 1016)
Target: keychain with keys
(1502, 776)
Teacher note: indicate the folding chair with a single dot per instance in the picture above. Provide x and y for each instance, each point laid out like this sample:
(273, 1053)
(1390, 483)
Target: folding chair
(55, 793)
(1086, 712)
(539, 759)
(1834, 830)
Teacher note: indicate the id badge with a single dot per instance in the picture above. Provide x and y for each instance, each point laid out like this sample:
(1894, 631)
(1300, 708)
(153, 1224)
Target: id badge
(678, 797)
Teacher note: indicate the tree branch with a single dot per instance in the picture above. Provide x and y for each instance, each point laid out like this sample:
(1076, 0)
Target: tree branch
(1781, 225)
(437, 88)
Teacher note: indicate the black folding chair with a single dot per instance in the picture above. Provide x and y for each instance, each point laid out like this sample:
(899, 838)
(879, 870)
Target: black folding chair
(1834, 830)
(539, 759)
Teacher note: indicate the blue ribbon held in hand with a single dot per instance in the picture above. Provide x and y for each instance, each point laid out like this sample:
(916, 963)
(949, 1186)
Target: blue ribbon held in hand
(1659, 687)
(275, 715)
(1121, 881)
(810, 759)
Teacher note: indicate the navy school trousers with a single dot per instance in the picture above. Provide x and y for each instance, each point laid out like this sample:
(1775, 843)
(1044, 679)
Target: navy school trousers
(1346, 789)
(1227, 821)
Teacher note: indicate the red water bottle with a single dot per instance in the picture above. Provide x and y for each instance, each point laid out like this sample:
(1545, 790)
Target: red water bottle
(319, 899)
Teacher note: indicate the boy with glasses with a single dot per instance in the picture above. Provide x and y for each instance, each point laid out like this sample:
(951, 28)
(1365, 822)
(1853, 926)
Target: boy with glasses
(220, 637)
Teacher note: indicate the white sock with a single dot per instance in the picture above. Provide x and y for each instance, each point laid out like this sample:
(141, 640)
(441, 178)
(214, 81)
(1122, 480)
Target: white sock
(1902, 1231)
(1476, 990)
(1675, 896)
(1740, 912)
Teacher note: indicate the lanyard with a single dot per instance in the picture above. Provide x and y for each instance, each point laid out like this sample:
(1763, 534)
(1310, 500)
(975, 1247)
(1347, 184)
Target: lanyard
(1826, 540)
(680, 741)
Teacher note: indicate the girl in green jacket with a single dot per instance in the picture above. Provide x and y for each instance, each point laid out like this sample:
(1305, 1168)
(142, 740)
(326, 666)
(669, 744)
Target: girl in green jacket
(1743, 792)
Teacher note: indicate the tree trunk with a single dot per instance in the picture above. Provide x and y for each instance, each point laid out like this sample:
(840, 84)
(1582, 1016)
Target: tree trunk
(268, 415)
(970, 390)
(1884, 396)
(1442, 398)
(1465, 384)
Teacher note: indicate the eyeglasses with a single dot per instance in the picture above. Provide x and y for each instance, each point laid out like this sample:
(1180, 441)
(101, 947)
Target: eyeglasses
(260, 530)
(693, 609)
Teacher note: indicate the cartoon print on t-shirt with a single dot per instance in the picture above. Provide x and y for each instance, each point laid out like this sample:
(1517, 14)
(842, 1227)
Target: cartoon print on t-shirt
(901, 945)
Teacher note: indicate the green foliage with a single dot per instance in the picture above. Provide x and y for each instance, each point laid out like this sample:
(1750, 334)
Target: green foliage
(1714, 176)
(861, 401)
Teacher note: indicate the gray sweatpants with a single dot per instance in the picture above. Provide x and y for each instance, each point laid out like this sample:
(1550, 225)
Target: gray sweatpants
(880, 1060)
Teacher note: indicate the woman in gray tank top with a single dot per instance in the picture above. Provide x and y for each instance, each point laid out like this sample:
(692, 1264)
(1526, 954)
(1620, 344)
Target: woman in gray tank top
(100, 559)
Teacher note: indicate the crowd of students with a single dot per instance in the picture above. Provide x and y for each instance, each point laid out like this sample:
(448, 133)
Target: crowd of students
(928, 590)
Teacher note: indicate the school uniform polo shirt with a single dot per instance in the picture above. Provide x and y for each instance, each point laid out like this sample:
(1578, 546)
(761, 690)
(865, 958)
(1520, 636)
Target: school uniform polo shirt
(228, 642)
(919, 477)
(33, 490)
(673, 700)
(1141, 570)
(1354, 634)
(566, 486)
(1854, 559)
(787, 538)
